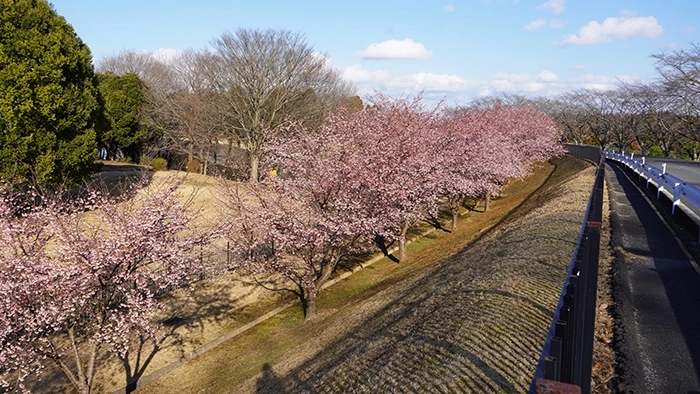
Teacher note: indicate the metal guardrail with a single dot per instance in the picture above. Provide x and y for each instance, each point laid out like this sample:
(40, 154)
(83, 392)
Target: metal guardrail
(681, 194)
(567, 357)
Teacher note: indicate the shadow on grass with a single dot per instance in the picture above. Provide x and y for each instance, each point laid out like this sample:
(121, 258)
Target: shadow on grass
(269, 382)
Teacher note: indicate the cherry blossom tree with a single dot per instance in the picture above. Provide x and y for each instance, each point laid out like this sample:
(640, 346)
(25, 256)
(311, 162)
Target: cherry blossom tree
(301, 223)
(489, 146)
(464, 162)
(372, 174)
(399, 149)
(81, 277)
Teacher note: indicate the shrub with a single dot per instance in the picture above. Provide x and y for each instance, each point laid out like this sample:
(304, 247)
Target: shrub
(145, 161)
(655, 150)
(159, 164)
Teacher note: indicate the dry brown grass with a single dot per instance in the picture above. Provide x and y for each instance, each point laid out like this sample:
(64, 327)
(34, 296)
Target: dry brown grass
(603, 354)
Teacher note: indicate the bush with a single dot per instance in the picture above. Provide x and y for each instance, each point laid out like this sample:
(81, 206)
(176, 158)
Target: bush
(145, 161)
(655, 150)
(159, 164)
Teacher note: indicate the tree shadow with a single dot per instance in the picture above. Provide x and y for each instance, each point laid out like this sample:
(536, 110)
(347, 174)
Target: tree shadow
(381, 243)
(269, 382)
(434, 221)
(134, 367)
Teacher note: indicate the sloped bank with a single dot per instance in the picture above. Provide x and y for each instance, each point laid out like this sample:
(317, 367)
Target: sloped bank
(471, 319)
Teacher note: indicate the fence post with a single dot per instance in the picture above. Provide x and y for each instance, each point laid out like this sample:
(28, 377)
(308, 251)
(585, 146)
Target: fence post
(677, 188)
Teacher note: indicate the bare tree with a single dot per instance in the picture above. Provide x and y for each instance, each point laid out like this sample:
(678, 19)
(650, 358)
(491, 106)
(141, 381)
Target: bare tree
(154, 73)
(269, 78)
(568, 112)
(186, 111)
(680, 74)
(656, 123)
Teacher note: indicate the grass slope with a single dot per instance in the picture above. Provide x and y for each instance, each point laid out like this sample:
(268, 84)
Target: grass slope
(468, 310)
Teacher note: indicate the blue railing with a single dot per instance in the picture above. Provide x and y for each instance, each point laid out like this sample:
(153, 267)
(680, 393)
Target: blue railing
(681, 194)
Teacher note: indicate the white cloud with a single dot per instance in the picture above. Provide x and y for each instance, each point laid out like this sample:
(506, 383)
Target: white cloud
(360, 75)
(601, 82)
(369, 80)
(553, 6)
(449, 8)
(457, 90)
(540, 23)
(547, 76)
(596, 82)
(544, 83)
(615, 28)
(556, 24)
(536, 24)
(166, 55)
(396, 49)
(429, 82)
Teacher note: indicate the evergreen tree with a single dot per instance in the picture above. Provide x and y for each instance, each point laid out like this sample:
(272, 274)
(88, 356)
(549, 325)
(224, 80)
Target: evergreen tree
(49, 102)
(123, 96)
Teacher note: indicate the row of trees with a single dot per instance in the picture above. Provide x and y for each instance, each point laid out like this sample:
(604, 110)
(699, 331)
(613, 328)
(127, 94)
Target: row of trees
(55, 111)
(661, 117)
(49, 102)
(84, 275)
(368, 176)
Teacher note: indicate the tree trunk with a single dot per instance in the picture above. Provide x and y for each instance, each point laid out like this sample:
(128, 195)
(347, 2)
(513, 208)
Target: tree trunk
(309, 305)
(455, 203)
(254, 159)
(487, 201)
(402, 241)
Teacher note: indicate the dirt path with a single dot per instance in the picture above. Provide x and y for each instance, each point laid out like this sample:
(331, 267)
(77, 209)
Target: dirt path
(474, 324)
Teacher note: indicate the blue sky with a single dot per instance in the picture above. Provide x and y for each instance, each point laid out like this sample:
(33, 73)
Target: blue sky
(456, 50)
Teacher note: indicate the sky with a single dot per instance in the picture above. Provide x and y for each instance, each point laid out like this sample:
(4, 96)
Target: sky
(449, 50)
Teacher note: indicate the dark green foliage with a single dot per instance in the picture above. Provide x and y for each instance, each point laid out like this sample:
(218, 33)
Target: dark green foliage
(49, 103)
(123, 98)
(159, 164)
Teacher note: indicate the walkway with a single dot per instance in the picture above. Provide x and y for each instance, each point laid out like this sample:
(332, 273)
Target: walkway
(657, 296)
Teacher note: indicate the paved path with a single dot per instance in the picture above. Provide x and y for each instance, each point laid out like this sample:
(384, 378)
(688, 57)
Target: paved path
(658, 296)
(688, 171)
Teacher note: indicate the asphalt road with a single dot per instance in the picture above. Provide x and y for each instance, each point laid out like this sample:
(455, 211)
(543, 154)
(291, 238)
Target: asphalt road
(689, 171)
(657, 295)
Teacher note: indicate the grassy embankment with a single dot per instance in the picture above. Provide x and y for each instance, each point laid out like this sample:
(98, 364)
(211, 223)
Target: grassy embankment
(245, 356)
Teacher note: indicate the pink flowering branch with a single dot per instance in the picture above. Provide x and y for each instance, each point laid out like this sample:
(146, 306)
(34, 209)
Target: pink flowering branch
(77, 282)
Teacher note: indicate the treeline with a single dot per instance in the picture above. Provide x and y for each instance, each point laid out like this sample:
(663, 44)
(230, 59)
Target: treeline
(88, 275)
(365, 177)
(660, 118)
(220, 107)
